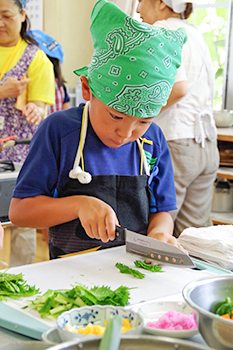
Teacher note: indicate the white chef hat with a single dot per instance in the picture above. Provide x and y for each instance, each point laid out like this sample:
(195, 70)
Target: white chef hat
(177, 6)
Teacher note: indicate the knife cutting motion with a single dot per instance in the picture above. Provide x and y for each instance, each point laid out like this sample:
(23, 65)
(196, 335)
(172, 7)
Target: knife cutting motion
(152, 249)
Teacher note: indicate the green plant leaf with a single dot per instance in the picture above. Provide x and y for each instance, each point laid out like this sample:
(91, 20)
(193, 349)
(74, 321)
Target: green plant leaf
(125, 269)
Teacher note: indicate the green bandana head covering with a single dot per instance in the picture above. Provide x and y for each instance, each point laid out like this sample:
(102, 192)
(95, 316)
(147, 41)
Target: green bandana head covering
(134, 64)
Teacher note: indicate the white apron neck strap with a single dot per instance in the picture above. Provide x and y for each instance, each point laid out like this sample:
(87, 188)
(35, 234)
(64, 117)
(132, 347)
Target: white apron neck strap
(83, 135)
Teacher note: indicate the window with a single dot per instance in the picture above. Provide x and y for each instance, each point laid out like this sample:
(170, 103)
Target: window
(214, 20)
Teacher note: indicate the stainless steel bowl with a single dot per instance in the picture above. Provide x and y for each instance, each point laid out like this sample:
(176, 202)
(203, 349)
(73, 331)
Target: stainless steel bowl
(25, 345)
(203, 295)
(134, 343)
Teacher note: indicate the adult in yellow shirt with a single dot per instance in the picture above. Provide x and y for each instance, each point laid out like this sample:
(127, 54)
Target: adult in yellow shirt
(24, 68)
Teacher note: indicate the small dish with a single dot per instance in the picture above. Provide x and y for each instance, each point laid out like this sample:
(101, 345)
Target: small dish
(96, 314)
(151, 312)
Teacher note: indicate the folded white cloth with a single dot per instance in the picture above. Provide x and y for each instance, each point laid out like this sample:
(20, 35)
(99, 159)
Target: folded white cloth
(213, 244)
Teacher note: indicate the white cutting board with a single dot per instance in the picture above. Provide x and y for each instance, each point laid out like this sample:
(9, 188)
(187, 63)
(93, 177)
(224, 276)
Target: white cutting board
(98, 268)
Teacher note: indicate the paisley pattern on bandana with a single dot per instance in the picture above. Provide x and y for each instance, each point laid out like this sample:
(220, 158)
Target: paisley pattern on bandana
(147, 100)
(134, 64)
(121, 42)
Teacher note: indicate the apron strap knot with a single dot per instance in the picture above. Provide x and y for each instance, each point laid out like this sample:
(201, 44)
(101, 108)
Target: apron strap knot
(204, 127)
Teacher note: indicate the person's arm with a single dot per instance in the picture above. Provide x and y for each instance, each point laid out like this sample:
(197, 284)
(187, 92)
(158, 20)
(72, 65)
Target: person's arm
(161, 227)
(66, 105)
(13, 87)
(97, 217)
(179, 90)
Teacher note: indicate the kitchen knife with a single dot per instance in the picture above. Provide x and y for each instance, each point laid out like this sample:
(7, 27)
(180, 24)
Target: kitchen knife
(14, 142)
(152, 249)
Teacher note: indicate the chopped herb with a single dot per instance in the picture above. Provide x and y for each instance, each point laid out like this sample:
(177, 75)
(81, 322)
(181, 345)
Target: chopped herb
(54, 302)
(14, 286)
(150, 267)
(125, 269)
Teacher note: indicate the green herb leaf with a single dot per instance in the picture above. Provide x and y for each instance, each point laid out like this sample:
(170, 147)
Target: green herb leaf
(14, 286)
(150, 267)
(112, 335)
(125, 269)
(225, 308)
(54, 302)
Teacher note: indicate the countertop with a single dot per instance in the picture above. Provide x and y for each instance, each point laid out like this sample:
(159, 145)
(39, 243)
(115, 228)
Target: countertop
(225, 134)
(98, 268)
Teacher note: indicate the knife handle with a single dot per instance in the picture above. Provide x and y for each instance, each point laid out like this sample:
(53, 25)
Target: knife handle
(22, 141)
(119, 233)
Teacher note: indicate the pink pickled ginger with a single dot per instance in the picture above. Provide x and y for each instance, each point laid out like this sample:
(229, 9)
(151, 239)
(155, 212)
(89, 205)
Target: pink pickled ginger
(174, 321)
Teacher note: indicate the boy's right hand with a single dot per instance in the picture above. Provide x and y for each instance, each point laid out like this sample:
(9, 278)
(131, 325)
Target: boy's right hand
(97, 218)
(13, 87)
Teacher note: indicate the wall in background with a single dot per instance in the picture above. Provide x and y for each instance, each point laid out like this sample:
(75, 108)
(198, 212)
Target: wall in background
(69, 22)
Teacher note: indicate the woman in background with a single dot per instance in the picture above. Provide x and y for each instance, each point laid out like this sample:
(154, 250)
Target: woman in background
(187, 119)
(24, 69)
(26, 86)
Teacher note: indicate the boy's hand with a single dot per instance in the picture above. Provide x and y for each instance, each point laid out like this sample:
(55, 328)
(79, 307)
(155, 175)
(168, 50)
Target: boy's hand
(98, 219)
(167, 238)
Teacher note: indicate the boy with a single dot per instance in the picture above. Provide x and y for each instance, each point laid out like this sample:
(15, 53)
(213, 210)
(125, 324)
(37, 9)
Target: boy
(106, 164)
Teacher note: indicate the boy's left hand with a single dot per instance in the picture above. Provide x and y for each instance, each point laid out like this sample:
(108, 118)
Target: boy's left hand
(161, 228)
(167, 238)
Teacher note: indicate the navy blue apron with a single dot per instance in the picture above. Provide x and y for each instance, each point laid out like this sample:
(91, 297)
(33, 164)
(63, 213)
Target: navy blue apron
(129, 196)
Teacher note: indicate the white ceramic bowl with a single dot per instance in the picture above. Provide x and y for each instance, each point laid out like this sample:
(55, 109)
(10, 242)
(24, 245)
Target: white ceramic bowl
(223, 119)
(152, 311)
(96, 314)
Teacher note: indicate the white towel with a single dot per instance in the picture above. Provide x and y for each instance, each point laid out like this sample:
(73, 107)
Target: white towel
(213, 244)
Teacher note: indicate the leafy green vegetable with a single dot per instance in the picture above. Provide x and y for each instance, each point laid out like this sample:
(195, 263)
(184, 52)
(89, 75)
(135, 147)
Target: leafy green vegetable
(14, 286)
(150, 267)
(225, 307)
(54, 302)
(112, 335)
(125, 269)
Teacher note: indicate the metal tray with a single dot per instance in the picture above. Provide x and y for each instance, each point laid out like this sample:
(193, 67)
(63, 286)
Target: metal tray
(135, 343)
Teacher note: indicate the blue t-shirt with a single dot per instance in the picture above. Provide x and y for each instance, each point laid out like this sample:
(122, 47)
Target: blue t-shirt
(53, 150)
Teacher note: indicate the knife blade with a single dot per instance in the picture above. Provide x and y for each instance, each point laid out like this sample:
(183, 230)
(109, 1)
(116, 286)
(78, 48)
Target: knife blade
(152, 249)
